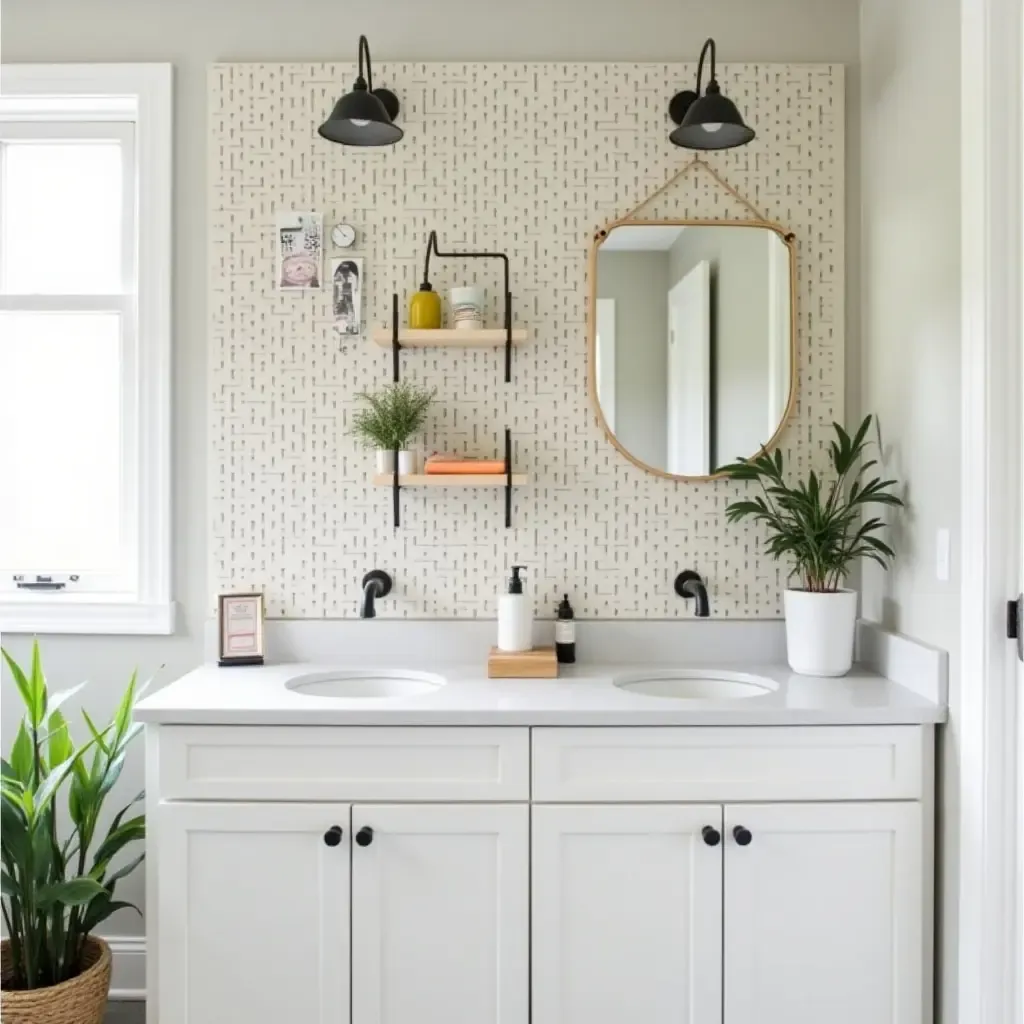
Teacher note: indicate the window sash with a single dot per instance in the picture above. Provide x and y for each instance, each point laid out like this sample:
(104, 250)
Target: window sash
(123, 577)
(70, 131)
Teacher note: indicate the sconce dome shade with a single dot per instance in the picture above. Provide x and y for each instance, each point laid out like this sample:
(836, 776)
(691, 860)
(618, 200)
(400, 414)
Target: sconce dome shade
(711, 121)
(363, 118)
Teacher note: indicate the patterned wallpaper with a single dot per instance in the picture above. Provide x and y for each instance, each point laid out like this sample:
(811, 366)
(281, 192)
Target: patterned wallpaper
(531, 159)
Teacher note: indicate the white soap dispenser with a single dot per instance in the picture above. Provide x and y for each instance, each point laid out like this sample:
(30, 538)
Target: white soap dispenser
(515, 616)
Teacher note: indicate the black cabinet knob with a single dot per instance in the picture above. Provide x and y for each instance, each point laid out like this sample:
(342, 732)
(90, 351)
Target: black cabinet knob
(742, 835)
(711, 835)
(332, 837)
(364, 836)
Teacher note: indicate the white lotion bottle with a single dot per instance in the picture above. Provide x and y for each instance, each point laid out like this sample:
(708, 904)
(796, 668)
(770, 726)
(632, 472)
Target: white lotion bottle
(515, 616)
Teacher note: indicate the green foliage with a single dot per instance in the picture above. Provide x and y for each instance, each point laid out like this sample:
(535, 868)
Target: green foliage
(393, 414)
(823, 528)
(56, 890)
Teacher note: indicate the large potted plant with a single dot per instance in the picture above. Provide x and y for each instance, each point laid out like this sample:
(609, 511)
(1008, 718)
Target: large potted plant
(59, 870)
(822, 527)
(389, 419)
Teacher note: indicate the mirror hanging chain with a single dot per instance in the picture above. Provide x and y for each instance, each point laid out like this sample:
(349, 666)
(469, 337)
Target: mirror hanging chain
(695, 164)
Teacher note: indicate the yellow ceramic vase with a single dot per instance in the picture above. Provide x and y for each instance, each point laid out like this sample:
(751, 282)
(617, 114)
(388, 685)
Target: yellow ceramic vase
(425, 309)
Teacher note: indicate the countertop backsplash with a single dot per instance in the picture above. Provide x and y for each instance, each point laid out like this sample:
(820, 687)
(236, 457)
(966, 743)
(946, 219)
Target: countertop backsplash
(530, 159)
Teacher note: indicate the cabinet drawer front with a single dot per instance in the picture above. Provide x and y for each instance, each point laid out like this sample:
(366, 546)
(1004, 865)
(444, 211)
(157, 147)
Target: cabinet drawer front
(358, 763)
(655, 764)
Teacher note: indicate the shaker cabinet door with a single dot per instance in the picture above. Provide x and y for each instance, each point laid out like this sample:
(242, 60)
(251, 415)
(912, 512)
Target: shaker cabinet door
(824, 912)
(253, 913)
(627, 914)
(440, 914)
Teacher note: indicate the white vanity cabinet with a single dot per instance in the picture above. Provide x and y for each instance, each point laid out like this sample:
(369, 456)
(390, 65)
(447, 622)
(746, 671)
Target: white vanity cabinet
(546, 875)
(252, 912)
(627, 914)
(404, 902)
(440, 918)
(791, 887)
(795, 914)
(823, 913)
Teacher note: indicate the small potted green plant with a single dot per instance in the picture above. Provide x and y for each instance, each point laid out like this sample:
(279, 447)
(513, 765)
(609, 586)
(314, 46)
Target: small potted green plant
(389, 419)
(60, 868)
(823, 528)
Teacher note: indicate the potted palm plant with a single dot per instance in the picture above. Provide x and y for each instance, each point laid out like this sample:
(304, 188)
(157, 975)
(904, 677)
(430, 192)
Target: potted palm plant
(59, 881)
(823, 527)
(389, 419)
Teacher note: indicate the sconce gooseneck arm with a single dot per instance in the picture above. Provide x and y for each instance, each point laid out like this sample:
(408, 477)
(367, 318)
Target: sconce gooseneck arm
(364, 49)
(709, 45)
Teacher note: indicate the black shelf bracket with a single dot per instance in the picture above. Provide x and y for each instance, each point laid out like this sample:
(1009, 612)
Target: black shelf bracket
(508, 332)
(432, 248)
(396, 487)
(396, 484)
(508, 478)
(395, 346)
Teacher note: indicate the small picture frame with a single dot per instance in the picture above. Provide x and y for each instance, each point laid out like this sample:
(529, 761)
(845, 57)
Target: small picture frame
(240, 629)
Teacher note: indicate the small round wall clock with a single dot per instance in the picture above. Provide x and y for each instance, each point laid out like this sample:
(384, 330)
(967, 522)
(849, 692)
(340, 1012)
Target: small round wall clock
(343, 235)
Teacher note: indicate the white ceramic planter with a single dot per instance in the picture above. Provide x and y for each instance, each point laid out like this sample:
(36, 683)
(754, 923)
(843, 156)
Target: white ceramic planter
(819, 631)
(386, 461)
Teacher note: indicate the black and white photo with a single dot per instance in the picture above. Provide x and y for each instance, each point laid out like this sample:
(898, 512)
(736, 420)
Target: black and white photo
(347, 297)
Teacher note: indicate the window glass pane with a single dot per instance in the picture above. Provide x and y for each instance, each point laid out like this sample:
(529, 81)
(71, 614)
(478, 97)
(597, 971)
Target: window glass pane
(60, 424)
(61, 218)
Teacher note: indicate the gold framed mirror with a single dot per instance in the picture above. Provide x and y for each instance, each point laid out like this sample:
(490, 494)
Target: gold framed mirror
(692, 340)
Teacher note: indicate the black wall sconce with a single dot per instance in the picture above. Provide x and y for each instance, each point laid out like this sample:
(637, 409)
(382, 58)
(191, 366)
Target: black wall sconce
(711, 121)
(364, 116)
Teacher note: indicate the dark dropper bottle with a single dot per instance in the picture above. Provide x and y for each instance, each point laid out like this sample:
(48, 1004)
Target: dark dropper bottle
(565, 633)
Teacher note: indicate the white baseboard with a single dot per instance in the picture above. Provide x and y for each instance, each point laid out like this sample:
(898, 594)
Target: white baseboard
(128, 974)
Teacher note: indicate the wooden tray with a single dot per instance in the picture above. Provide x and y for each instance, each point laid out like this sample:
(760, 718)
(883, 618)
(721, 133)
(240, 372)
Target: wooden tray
(540, 663)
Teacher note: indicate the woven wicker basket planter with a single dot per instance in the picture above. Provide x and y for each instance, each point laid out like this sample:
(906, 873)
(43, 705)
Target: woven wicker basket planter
(82, 1000)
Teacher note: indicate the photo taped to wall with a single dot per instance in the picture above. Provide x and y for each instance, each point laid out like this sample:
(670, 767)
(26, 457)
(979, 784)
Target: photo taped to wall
(300, 247)
(347, 299)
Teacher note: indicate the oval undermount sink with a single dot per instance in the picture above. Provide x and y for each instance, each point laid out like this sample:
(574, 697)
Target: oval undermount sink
(696, 684)
(366, 684)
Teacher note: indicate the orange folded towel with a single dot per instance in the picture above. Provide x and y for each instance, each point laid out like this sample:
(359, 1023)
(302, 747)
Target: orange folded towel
(449, 464)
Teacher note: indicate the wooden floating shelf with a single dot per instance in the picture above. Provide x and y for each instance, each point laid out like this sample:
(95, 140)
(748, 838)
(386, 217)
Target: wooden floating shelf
(486, 337)
(450, 480)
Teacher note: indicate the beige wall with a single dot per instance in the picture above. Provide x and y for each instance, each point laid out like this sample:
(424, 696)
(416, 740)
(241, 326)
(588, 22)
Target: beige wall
(538, 211)
(910, 343)
(638, 282)
(193, 33)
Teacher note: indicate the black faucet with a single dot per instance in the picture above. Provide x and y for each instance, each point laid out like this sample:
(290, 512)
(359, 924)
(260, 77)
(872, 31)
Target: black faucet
(376, 583)
(689, 584)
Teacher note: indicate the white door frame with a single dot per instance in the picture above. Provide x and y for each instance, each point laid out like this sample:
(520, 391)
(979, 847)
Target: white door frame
(983, 721)
(688, 408)
(605, 356)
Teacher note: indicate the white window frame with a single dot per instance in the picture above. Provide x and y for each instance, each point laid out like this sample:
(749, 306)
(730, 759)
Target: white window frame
(139, 97)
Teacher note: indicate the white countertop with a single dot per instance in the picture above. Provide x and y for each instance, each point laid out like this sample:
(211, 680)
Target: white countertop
(582, 695)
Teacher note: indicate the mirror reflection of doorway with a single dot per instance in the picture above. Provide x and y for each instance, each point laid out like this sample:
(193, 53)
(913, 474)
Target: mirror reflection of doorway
(604, 359)
(689, 373)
